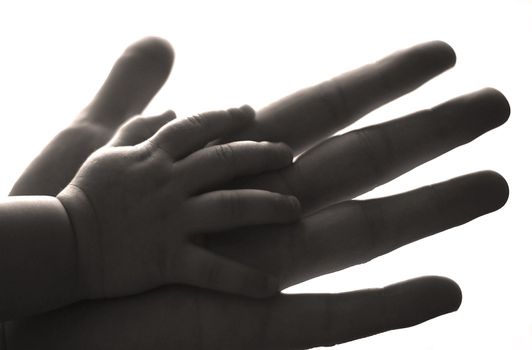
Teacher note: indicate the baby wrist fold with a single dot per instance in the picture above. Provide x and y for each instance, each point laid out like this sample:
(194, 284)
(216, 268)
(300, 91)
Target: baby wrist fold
(87, 232)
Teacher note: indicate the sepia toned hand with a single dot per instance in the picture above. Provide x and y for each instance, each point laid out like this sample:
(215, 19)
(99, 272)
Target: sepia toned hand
(335, 233)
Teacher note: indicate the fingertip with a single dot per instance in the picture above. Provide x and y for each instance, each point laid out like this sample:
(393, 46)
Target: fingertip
(432, 57)
(295, 206)
(495, 186)
(153, 48)
(420, 299)
(485, 109)
(445, 51)
(489, 105)
(244, 115)
(445, 291)
(135, 78)
(286, 151)
(498, 103)
(168, 115)
(295, 202)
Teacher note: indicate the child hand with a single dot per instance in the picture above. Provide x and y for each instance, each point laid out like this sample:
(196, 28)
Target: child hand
(135, 210)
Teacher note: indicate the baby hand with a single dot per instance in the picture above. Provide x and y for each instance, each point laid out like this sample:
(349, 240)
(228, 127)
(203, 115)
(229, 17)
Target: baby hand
(136, 210)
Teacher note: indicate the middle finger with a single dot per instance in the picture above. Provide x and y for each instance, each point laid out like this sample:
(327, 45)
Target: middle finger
(351, 164)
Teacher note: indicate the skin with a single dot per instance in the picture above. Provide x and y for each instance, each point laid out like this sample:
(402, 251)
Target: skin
(137, 209)
(335, 233)
(132, 217)
(37, 252)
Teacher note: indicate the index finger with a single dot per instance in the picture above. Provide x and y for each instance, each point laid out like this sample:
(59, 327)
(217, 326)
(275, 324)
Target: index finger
(332, 105)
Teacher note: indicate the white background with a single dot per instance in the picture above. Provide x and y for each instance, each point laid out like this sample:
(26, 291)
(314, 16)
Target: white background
(55, 55)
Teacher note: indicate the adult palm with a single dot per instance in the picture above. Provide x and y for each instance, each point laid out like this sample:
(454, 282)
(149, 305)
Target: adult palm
(335, 232)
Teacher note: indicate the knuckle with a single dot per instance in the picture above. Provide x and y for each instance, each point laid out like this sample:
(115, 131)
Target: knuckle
(198, 121)
(106, 162)
(226, 153)
(142, 151)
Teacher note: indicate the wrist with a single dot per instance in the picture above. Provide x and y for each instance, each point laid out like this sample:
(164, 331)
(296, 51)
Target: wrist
(87, 234)
(38, 256)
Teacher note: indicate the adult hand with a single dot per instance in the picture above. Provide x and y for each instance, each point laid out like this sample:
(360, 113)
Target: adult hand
(134, 80)
(325, 241)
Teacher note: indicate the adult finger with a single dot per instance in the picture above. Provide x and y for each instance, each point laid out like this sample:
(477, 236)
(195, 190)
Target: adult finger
(307, 321)
(223, 210)
(219, 164)
(354, 232)
(134, 80)
(308, 116)
(182, 137)
(210, 320)
(221, 274)
(351, 164)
